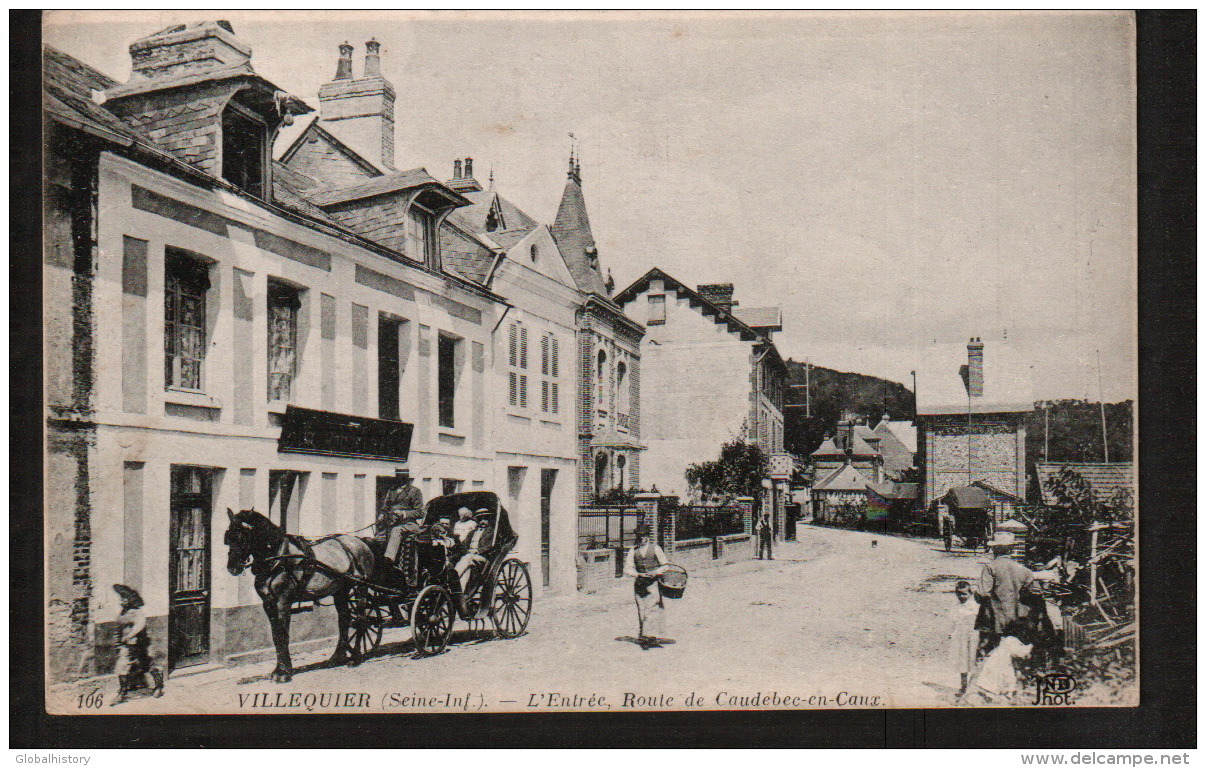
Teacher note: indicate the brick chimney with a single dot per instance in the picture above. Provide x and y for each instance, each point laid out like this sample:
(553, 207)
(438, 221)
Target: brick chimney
(720, 294)
(188, 49)
(360, 111)
(462, 180)
(975, 367)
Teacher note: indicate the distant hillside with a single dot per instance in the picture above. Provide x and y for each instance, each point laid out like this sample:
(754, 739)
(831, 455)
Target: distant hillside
(832, 393)
(1073, 429)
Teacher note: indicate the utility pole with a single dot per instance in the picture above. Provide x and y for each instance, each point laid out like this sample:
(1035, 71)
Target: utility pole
(807, 389)
(1046, 428)
(1105, 443)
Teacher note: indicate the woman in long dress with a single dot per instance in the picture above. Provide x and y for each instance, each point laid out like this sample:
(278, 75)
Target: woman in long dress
(644, 563)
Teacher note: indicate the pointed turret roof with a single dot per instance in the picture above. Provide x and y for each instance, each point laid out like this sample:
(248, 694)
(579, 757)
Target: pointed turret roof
(571, 231)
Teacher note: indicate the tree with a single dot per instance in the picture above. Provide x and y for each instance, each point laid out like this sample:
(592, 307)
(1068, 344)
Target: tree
(738, 472)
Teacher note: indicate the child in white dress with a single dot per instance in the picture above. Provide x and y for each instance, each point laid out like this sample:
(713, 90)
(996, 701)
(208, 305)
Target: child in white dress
(965, 639)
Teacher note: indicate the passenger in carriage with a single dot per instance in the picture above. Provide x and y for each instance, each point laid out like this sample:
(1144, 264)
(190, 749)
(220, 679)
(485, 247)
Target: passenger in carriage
(478, 541)
(464, 527)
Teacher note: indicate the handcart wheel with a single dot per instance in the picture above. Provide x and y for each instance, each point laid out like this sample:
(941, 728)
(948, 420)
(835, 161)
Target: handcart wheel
(431, 619)
(367, 618)
(512, 605)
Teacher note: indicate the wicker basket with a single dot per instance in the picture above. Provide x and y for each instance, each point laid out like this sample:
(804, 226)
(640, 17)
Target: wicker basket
(673, 581)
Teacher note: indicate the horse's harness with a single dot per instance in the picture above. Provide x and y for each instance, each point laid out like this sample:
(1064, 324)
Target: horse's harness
(307, 562)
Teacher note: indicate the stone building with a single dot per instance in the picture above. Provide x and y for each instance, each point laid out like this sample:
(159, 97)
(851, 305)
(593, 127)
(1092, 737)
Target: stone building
(608, 359)
(971, 419)
(279, 342)
(709, 377)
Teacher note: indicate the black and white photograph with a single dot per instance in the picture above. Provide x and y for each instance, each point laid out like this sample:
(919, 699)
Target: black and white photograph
(565, 361)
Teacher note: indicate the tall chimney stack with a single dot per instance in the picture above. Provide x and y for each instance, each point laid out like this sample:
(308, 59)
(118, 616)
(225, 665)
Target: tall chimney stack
(343, 69)
(360, 111)
(456, 169)
(975, 367)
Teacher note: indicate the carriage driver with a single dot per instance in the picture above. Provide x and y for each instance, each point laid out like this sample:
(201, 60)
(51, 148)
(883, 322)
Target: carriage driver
(401, 513)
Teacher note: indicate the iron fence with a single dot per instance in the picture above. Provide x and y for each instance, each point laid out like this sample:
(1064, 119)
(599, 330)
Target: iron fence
(607, 527)
(705, 522)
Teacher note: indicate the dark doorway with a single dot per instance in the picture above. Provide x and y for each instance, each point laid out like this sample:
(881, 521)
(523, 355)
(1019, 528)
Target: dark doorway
(388, 372)
(188, 566)
(284, 498)
(548, 478)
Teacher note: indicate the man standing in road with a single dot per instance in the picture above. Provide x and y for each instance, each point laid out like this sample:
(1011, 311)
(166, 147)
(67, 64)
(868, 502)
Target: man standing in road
(1002, 582)
(765, 535)
(400, 513)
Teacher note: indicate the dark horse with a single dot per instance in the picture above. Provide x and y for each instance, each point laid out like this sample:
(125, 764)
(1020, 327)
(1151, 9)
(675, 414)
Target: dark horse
(289, 569)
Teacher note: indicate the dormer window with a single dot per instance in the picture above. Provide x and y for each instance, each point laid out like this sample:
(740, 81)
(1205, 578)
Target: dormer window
(491, 220)
(244, 150)
(420, 234)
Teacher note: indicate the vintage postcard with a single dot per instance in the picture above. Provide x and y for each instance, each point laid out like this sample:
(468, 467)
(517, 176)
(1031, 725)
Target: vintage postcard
(438, 362)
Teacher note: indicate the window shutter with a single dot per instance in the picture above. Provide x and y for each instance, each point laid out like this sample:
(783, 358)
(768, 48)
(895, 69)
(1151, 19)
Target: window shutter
(544, 355)
(523, 346)
(554, 397)
(514, 399)
(544, 395)
(514, 345)
(553, 356)
(523, 391)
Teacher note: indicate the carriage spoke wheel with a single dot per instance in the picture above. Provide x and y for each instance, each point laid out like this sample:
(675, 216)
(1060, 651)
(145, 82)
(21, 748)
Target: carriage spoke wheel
(431, 619)
(512, 605)
(367, 619)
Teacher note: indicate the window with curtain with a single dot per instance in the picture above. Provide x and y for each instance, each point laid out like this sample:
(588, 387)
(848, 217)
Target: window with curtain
(283, 304)
(186, 283)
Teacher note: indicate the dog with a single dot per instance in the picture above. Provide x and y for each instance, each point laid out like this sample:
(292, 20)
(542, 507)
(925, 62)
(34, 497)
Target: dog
(874, 543)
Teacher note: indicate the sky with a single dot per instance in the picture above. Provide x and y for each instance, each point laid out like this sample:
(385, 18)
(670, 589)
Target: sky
(891, 180)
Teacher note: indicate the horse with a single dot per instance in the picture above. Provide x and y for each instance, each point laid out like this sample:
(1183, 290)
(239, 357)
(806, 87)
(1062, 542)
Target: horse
(289, 569)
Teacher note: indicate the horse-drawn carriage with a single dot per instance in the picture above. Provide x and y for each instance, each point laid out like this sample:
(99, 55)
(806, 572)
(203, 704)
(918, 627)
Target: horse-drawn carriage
(370, 594)
(970, 517)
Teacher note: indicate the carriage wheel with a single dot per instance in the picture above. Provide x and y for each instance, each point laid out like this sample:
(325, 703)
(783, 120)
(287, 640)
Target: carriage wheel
(512, 606)
(431, 619)
(367, 618)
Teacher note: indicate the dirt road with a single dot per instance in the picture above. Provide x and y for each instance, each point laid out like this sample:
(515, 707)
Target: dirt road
(838, 619)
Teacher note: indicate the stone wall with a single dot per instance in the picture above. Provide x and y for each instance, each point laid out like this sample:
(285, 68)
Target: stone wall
(997, 446)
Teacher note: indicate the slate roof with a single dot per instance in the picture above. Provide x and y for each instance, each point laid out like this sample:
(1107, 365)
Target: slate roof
(473, 217)
(770, 318)
(67, 85)
(315, 127)
(895, 491)
(828, 448)
(571, 231)
(288, 190)
(696, 299)
(381, 185)
(1105, 479)
(904, 431)
(844, 478)
(992, 490)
